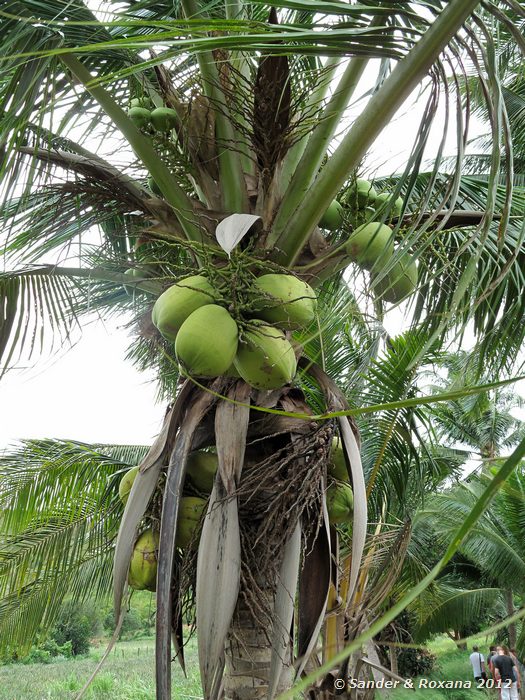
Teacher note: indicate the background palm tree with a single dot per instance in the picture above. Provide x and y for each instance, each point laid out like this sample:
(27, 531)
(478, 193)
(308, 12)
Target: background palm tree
(494, 546)
(257, 94)
(486, 426)
(485, 423)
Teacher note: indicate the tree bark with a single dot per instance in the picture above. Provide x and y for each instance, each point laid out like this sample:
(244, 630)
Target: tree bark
(394, 667)
(511, 628)
(456, 636)
(248, 656)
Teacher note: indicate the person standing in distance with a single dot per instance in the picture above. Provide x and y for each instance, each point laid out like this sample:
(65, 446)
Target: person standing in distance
(477, 661)
(507, 673)
(492, 654)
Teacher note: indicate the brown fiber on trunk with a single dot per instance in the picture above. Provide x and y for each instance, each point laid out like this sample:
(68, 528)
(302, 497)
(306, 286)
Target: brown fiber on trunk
(280, 485)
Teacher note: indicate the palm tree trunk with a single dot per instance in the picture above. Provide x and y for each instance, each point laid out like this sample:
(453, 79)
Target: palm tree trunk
(456, 635)
(511, 628)
(394, 667)
(248, 656)
(261, 618)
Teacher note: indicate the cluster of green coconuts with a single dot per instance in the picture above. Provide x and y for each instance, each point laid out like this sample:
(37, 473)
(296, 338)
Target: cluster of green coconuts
(209, 342)
(371, 244)
(144, 114)
(200, 476)
(147, 117)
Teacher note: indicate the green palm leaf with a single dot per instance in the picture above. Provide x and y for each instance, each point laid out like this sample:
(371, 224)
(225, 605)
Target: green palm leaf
(60, 515)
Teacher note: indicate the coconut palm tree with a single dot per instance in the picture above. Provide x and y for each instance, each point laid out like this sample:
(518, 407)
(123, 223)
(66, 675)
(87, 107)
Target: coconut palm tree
(212, 143)
(486, 426)
(484, 423)
(495, 544)
(67, 493)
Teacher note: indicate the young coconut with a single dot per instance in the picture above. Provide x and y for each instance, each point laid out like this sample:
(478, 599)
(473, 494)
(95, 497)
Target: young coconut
(362, 194)
(337, 465)
(143, 567)
(144, 102)
(340, 503)
(126, 483)
(164, 119)
(191, 509)
(178, 302)
(371, 244)
(265, 359)
(206, 343)
(201, 470)
(395, 206)
(333, 217)
(139, 116)
(398, 283)
(286, 301)
(134, 273)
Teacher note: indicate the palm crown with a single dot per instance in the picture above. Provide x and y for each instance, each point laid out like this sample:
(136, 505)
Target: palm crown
(216, 155)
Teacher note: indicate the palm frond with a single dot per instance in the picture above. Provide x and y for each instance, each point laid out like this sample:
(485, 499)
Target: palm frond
(36, 308)
(391, 458)
(445, 607)
(60, 515)
(495, 544)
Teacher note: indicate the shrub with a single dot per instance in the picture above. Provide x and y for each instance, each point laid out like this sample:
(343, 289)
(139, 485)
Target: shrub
(415, 662)
(135, 623)
(77, 624)
(37, 656)
(54, 649)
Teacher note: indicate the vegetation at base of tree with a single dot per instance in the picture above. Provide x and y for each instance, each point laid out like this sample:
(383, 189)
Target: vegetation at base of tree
(128, 675)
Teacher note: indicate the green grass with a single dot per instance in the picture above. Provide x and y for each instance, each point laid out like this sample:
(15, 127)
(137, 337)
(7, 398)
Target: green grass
(452, 664)
(129, 674)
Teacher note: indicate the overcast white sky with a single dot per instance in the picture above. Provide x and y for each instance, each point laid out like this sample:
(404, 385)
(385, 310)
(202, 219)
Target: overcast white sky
(88, 393)
(91, 394)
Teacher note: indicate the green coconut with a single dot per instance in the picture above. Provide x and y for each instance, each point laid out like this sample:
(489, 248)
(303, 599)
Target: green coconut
(265, 359)
(164, 119)
(191, 509)
(178, 302)
(139, 116)
(361, 194)
(395, 206)
(201, 470)
(134, 273)
(144, 102)
(399, 282)
(333, 217)
(126, 483)
(337, 465)
(381, 199)
(154, 187)
(340, 503)
(371, 243)
(206, 343)
(143, 567)
(285, 300)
